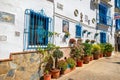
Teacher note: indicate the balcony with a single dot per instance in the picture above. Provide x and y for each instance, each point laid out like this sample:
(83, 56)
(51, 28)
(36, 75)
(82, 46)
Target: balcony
(103, 21)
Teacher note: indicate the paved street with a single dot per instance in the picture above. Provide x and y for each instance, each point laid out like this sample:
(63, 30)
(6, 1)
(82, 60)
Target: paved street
(106, 68)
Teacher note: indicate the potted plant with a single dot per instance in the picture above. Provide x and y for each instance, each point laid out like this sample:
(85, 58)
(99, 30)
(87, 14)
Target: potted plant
(96, 51)
(87, 52)
(108, 49)
(47, 75)
(72, 41)
(71, 63)
(62, 65)
(92, 41)
(67, 34)
(102, 47)
(77, 52)
(57, 54)
(87, 41)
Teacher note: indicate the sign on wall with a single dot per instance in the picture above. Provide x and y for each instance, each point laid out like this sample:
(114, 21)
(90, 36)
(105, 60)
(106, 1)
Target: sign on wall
(7, 17)
(65, 26)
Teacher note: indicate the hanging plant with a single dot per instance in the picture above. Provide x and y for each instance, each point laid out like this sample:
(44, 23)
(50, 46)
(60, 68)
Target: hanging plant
(67, 34)
(92, 41)
(84, 31)
(87, 40)
(96, 34)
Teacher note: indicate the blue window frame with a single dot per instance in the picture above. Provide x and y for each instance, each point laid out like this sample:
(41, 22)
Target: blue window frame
(36, 29)
(117, 3)
(105, 15)
(102, 37)
(78, 31)
(117, 24)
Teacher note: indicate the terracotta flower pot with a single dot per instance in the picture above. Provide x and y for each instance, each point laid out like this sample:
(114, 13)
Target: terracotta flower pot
(96, 56)
(80, 63)
(55, 73)
(47, 76)
(91, 57)
(71, 69)
(108, 54)
(86, 59)
(62, 72)
(101, 55)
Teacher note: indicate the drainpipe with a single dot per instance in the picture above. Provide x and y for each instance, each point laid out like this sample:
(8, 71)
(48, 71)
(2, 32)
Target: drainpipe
(53, 41)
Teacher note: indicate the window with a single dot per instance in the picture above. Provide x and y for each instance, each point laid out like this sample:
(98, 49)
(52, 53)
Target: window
(36, 29)
(78, 31)
(117, 3)
(117, 24)
(102, 14)
(105, 14)
(103, 37)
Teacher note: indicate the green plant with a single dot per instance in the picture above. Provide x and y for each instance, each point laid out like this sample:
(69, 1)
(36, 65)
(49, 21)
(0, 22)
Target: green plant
(57, 54)
(62, 65)
(102, 47)
(71, 62)
(67, 34)
(87, 49)
(87, 41)
(95, 49)
(77, 51)
(108, 47)
(92, 41)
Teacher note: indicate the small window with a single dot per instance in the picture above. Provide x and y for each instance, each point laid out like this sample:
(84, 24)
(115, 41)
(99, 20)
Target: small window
(78, 31)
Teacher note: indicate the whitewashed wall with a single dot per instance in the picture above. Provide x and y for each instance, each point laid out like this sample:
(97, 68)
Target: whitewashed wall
(13, 43)
(83, 6)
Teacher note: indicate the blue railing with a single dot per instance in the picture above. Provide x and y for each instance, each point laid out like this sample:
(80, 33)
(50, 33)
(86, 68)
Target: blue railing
(103, 19)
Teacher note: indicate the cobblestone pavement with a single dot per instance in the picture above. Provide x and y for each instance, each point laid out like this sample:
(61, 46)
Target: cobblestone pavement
(106, 68)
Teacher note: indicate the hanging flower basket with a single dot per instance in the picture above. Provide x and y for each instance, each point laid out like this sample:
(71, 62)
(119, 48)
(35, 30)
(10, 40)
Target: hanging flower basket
(87, 40)
(84, 31)
(72, 40)
(92, 41)
(96, 34)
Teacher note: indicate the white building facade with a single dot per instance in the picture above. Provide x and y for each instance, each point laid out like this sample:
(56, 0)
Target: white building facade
(26, 24)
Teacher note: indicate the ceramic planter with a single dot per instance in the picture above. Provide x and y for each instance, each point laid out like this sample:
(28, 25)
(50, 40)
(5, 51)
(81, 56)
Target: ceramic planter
(108, 54)
(47, 76)
(80, 63)
(96, 56)
(86, 59)
(55, 73)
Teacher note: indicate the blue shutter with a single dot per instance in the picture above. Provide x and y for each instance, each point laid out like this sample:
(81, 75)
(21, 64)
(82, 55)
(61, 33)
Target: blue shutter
(78, 31)
(116, 3)
(103, 37)
(117, 24)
